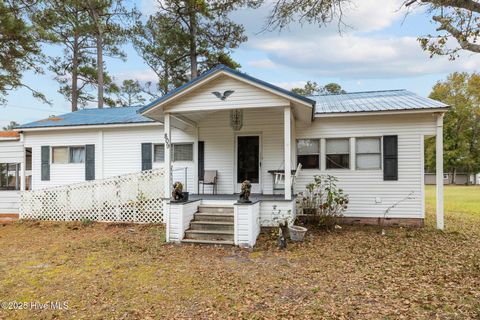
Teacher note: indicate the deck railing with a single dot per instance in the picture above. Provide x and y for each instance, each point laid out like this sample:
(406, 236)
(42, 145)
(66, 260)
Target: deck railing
(136, 197)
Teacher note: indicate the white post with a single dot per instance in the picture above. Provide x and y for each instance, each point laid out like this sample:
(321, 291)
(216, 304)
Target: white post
(195, 161)
(168, 156)
(288, 151)
(439, 167)
(23, 164)
(353, 156)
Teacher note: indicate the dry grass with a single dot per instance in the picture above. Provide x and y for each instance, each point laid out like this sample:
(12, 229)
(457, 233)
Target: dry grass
(128, 272)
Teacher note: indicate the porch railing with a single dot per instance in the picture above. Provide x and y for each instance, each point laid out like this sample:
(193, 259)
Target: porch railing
(136, 197)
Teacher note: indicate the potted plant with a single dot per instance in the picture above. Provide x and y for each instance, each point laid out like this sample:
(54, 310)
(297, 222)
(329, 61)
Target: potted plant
(285, 222)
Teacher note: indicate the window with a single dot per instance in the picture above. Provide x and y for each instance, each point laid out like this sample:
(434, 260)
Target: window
(369, 155)
(68, 155)
(308, 153)
(9, 176)
(181, 152)
(159, 153)
(338, 153)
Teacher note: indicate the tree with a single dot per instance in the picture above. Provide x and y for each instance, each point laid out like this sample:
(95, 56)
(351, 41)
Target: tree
(10, 126)
(110, 21)
(312, 88)
(19, 50)
(65, 23)
(129, 94)
(456, 19)
(197, 34)
(461, 124)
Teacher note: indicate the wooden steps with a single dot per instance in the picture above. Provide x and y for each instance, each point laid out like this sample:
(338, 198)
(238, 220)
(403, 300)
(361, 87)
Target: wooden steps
(212, 224)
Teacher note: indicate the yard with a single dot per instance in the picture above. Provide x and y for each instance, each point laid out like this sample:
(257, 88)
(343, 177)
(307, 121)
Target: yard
(128, 272)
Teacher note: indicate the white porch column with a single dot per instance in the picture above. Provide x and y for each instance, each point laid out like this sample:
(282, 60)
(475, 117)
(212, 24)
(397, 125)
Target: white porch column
(23, 164)
(168, 156)
(288, 152)
(195, 161)
(439, 167)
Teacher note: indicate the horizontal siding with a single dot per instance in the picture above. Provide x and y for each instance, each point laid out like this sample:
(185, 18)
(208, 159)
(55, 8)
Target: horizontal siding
(245, 96)
(9, 201)
(220, 145)
(365, 186)
(11, 151)
(269, 210)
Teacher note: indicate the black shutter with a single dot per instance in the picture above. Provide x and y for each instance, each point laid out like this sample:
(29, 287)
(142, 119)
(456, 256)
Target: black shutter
(90, 162)
(390, 157)
(146, 156)
(201, 159)
(45, 163)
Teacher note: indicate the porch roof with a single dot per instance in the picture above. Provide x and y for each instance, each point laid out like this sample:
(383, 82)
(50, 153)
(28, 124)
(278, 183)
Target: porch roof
(226, 69)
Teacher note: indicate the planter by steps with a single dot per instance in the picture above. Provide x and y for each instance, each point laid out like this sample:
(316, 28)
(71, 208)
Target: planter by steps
(297, 233)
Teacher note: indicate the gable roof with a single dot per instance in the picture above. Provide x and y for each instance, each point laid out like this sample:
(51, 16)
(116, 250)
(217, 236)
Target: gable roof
(374, 101)
(106, 116)
(226, 69)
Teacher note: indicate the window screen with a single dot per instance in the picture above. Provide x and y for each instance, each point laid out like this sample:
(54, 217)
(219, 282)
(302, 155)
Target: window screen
(308, 153)
(60, 155)
(338, 153)
(183, 152)
(368, 153)
(159, 153)
(77, 154)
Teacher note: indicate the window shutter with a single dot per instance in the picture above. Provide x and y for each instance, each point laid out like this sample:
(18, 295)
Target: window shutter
(390, 157)
(146, 156)
(90, 162)
(45, 163)
(201, 159)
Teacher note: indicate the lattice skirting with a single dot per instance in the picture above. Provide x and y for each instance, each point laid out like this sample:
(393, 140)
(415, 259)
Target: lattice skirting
(136, 197)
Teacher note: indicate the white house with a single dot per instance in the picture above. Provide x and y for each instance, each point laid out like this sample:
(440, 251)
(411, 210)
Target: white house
(242, 127)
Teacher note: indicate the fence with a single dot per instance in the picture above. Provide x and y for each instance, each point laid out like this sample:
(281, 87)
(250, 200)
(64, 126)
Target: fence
(136, 197)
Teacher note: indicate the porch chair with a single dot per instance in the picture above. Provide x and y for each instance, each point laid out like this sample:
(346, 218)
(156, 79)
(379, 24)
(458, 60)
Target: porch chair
(280, 178)
(210, 179)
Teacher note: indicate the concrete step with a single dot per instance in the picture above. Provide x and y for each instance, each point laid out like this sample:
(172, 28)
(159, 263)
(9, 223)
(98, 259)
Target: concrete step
(211, 225)
(209, 235)
(215, 208)
(209, 216)
(215, 242)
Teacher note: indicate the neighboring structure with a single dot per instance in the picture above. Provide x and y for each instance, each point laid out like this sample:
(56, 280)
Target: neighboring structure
(243, 127)
(11, 156)
(460, 178)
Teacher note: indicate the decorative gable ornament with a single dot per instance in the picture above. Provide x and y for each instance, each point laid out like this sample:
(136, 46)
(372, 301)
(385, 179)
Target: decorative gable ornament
(223, 96)
(236, 119)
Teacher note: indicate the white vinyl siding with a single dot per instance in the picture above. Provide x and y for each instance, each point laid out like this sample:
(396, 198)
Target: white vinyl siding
(11, 151)
(364, 186)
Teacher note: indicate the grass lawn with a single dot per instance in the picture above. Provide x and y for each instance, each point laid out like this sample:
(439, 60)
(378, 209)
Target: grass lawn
(128, 272)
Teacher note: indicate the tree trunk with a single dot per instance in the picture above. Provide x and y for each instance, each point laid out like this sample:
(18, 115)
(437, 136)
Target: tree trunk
(454, 175)
(193, 40)
(75, 73)
(100, 68)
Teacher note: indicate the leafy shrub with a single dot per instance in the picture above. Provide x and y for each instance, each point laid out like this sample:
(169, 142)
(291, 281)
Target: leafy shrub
(324, 199)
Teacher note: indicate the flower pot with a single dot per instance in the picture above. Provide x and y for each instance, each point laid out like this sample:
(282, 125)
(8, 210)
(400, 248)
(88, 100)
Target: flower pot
(297, 233)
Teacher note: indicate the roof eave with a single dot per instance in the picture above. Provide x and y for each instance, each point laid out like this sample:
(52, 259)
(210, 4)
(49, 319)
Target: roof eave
(380, 112)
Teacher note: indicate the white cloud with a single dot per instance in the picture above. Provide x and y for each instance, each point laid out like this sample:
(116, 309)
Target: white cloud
(359, 56)
(264, 63)
(290, 85)
(140, 75)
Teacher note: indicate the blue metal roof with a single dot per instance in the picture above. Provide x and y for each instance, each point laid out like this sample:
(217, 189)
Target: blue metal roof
(371, 101)
(222, 67)
(123, 115)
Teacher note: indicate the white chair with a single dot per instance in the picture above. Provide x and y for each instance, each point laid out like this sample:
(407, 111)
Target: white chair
(280, 177)
(209, 178)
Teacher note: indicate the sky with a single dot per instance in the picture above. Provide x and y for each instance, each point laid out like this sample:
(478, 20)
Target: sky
(378, 51)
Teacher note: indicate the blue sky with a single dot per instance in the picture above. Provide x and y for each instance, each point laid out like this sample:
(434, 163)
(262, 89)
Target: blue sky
(378, 51)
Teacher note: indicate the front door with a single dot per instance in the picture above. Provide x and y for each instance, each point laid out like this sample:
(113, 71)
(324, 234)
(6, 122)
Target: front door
(248, 162)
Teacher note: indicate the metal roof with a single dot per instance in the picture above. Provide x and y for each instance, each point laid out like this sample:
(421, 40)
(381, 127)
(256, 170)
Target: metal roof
(106, 116)
(222, 67)
(373, 101)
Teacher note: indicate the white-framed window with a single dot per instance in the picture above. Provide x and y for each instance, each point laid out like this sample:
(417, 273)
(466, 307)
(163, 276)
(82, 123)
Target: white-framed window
(9, 176)
(73, 154)
(337, 153)
(308, 153)
(368, 153)
(158, 152)
(181, 152)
